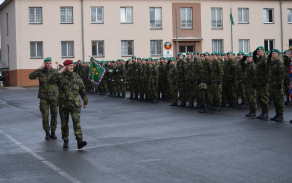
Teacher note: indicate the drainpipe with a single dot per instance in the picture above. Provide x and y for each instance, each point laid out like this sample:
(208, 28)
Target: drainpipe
(82, 22)
(281, 26)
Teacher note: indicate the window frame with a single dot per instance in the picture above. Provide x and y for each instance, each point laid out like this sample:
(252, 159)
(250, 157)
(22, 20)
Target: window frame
(269, 47)
(155, 27)
(222, 44)
(97, 56)
(35, 15)
(67, 49)
(289, 12)
(126, 22)
(127, 48)
(96, 7)
(242, 22)
(36, 49)
(216, 19)
(248, 45)
(161, 48)
(187, 28)
(66, 15)
(273, 16)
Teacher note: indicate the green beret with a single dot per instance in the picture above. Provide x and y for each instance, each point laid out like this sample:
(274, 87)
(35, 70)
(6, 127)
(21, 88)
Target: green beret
(202, 54)
(260, 48)
(215, 53)
(266, 52)
(206, 53)
(276, 50)
(196, 53)
(147, 59)
(185, 57)
(122, 60)
(249, 55)
(180, 54)
(138, 58)
(143, 58)
(48, 59)
(189, 53)
(172, 59)
(239, 53)
(134, 57)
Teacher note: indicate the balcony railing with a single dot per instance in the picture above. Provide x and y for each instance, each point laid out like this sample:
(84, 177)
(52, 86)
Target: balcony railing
(217, 24)
(155, 24)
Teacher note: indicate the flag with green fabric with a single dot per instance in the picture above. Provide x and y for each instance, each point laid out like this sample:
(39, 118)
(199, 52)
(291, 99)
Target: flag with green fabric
(97, 72)
(231, 18)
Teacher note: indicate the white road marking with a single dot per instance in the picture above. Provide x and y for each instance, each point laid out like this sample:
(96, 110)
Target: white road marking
(49, 164)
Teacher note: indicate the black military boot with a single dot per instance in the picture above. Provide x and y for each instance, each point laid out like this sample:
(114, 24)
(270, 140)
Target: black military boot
(53, 135)
(263, 116)
(279, 119)
(117, 96)
(154, 101)
(203, 110)
(141, 99)
(189, 106)
(66, 144)
(216, 108)
(183, 104)
(173, 104)
(130, 98)
(123, 96)
(198, 106)
(48, 135)
(81, 144)
(252, 113)
(273, 118)
(290, 121)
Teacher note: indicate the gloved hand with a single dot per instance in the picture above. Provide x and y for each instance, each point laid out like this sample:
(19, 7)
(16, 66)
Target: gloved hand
(254, 86)
(233, 80)
(173, 82)
(244, 58)
(270, 56)
(199, 82)
(280, 86)
(219, 82)
(255, 52)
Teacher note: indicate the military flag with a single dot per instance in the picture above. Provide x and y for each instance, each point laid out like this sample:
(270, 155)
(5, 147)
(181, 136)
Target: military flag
(97, 72)
(290, 49)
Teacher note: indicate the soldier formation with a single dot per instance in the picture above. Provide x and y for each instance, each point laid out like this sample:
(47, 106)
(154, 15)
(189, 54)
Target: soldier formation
(212, 80)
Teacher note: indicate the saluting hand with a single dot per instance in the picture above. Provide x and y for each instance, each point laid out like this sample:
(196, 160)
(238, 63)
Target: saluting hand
(43, 65)
(60, 71)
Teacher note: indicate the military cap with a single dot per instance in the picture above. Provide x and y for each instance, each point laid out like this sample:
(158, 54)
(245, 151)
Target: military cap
(172, 59)
(276, 50)
(180, 54)
(189, 53)
(134, 57)
(48, 59)
(167, 58)
(202, 54)
(75, 62)
(196, 53)
(260, 48)
(138, 58)
(122, 60)
(215, 53)
(266, 52)
(206, 53)
(68, 62)
(290, 48)
(249, 55)
(147, 59)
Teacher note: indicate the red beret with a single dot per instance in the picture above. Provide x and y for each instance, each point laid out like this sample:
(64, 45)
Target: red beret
(68, 62)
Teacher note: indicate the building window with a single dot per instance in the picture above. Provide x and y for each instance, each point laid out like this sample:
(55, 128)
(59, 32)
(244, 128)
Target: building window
(155, 18)
(216, 16)
(217, 45)
(7, 23)
(268, 15)
(67, 48)
(289, 13)
(97, 48)
(35, 16)
(66, 15)
(185, 49)
(290, 42)
(126, 14)
(36, 49)
(186, 18)
(156, 47)
(243, 15)
(96, 15)
(269, 44)
(244, 45)
(127, 48)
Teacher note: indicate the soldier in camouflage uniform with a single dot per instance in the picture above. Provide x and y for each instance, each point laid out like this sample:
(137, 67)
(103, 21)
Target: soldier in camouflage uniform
(217, 81)
(140, 79)
(167, 86)
(147, 79)
(122, 80)
(207, 75)
(240, 80)
(188, 72)
(277, 83)
(287, 60)
(110, 86)
(136, 77)
(196, 79)
(161, 88)
(70, 86)
(130, 78)
(172, 80)
(116, 78)
(154, 78)
(181, 80)
(102, 87)
(231, 80)
(48, 97)
(262, 80)
(250, 85)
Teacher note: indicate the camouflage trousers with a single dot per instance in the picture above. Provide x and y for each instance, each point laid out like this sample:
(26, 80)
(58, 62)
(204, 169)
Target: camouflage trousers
(182, 90)
(113, 88)
(287, 85)
(263, 97)
(189, 91)
(109, 85)
(232, 92)
(241, 92)
(277, 95)
(174, 92)
(251, 96)
(131, 88)
(210, 95)
(197, 93)
(153, 89)
(162, 88)
(136, 88)
(47, 106)
(75, 115)
(102, 87)
(121, 88)
(217, 94)
(141, 89)
(224, 91)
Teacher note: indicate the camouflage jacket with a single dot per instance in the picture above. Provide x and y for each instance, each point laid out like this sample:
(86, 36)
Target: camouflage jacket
(188, 69)
(116, 72)
(162, 71)
(147, 72)
(197, 69)
(231, 70)
(287, 62)
(262, 71)
(131, 72)
(141, 77)
(180, 70)
(137, 71)
(277, 72)
(154, 73)
(207, 73)
(46, 91)
(217, 69)
(70, 86)
(122, 72)
(250, 75)
(172, 75)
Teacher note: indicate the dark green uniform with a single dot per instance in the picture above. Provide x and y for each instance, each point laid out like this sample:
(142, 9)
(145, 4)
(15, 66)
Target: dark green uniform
(154, 77)
(287, 61)
(217, 81)
(188, 72)
(181, 81)
(207, 76)
(70, 87)
(172, 80)
(240, 81)
(231, 81)
(48, 97)
(147, 79)
(196, 79)
(250, 86)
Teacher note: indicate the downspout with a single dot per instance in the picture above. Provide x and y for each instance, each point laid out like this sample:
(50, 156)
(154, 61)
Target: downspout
(82, 22)
(281, 26)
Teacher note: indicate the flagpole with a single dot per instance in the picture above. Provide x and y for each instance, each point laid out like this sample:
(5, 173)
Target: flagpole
(176, 32)
(231, 31)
